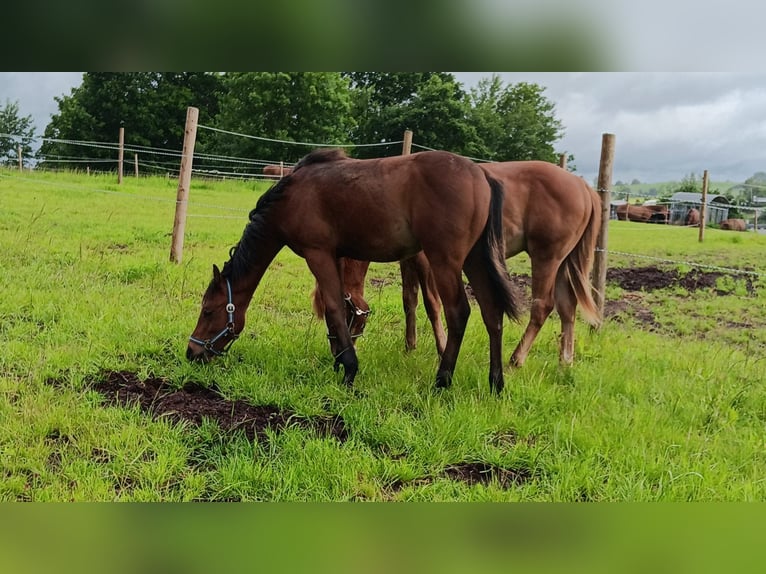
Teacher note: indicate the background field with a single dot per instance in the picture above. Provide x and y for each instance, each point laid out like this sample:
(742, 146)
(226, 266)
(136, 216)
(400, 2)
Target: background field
(665, 402)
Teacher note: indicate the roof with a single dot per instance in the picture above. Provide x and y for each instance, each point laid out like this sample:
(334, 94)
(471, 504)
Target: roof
(690, 197)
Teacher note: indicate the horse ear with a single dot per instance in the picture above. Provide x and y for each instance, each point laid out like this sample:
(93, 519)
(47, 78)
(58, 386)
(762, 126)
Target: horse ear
(216, 273)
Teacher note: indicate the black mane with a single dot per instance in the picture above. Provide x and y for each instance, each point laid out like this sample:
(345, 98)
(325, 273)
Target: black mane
(257, 229)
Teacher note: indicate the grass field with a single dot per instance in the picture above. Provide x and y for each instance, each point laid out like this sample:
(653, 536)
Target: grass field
(672, 409)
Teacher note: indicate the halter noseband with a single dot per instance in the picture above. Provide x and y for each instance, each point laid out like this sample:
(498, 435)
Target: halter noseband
(229, 330)
(356, 312)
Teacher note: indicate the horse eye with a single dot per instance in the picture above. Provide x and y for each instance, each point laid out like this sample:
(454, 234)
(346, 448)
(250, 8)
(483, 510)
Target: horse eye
(207, 312)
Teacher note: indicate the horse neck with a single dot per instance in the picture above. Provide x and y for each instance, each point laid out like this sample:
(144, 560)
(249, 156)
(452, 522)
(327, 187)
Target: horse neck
(247, 273)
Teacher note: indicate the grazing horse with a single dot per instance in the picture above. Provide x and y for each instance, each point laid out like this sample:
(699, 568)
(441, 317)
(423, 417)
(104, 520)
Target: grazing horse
(692, 217)
(643, 213)
(734, 224)
(551, 214)
(384, 209)
(277, 170)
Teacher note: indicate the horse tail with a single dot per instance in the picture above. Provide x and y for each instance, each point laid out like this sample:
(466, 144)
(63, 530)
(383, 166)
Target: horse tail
(317, 303)
(493, 241)
(579, 263)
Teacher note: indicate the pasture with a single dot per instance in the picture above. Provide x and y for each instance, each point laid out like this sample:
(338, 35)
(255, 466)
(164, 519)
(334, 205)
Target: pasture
(667, 402)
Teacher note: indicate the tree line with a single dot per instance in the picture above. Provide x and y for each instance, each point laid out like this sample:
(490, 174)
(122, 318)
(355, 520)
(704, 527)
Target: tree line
(493, 120)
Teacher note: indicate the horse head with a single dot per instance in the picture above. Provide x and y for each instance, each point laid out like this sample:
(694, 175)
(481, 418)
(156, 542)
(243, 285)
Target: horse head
(220, 322)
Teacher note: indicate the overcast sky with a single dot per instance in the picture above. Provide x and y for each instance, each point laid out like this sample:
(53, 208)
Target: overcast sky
(667, 125)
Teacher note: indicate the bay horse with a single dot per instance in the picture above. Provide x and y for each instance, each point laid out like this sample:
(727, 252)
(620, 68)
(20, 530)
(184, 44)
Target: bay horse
(692, 217)
(643, 213)
(277, 171)
(734, 224)
(386, 209)
(548, 212)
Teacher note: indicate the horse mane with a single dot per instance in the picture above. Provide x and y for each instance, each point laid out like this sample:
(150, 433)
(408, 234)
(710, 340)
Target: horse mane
(255, 231)
(321, 156)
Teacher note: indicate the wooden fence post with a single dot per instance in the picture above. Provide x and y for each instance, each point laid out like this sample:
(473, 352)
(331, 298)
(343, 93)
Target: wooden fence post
(407, 145)
(135, 156)
(21, 162)
(184, 181)
(605, 192)
(703, 206)
(563, 160)
(120, 154)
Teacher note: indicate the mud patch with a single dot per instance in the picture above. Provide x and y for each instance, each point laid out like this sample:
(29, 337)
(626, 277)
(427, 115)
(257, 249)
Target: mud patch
(632, 305)
(651, 278)
(193, 403)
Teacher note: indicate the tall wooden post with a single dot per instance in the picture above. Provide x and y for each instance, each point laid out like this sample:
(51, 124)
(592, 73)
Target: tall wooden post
(120, 155)
(563, 160)
(407, 145)
(703, 206)
(184, 181)
(21, 163)
(135, 157)
(281, 169)
(605, 192)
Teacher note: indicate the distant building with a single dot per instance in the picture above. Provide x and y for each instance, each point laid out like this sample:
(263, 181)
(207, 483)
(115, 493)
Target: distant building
(716, 206)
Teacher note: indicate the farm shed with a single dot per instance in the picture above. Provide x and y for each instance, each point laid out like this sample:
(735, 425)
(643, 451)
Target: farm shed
(716, 206)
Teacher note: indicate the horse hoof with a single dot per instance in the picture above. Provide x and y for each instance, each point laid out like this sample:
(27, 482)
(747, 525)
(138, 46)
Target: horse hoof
(443, 382)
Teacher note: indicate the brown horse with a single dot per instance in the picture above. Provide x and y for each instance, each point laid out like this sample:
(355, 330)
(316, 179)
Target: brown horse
(643, 213)
(734, 224)
(551, 214)
(437, 202)
(277, 170)
(692, 217)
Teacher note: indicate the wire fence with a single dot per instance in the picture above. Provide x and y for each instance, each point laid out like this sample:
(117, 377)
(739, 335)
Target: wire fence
(149, 160)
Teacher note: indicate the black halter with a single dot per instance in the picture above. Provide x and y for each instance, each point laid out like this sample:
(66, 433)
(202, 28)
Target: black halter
(229, 330)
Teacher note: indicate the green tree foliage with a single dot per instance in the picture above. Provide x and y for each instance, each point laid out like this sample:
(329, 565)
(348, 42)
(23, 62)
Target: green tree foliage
(15, 130)
(431, 104)
(690, 184)
(515, 121)
(151, 106)
(496, 121)
(313, 107)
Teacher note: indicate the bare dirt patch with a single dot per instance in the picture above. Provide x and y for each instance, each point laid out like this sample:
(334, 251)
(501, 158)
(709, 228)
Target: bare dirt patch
(193, 403)
(651, 278)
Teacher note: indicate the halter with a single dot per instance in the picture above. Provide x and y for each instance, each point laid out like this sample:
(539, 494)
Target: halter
(356, 313)
(229, 330)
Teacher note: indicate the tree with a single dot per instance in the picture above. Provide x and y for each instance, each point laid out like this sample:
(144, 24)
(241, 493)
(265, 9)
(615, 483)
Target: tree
(151, 106)
(312, 107)
(15, 131)
(431, 104)
(515, 121)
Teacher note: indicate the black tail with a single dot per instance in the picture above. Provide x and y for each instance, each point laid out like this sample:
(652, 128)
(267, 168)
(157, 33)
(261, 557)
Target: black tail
(493, 243)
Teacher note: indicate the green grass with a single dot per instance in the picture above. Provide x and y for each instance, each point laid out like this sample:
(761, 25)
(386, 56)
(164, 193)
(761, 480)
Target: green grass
(674, 414)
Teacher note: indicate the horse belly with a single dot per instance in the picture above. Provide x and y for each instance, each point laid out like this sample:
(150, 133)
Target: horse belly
(380, 242)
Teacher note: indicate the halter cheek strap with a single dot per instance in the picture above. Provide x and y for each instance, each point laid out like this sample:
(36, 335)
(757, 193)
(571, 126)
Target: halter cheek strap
(208, 344)
(356, 312)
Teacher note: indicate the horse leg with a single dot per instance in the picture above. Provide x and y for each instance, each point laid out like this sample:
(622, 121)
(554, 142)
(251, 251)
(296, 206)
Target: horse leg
(456, 312)
(566, 306)
(543, 282)
(408, 269)
(431, 300)
(491, 313)
(327, 273)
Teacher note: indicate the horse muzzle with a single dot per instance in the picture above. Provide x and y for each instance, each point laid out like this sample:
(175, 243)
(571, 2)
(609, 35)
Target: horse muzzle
(197, 355)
